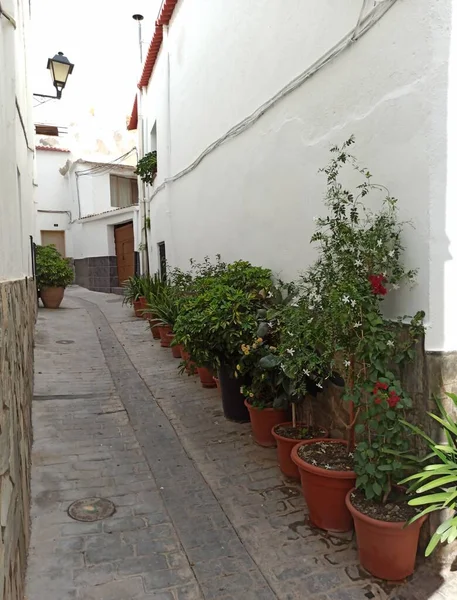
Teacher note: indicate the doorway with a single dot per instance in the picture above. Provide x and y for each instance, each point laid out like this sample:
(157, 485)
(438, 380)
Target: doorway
(54, 237)
(125, 254)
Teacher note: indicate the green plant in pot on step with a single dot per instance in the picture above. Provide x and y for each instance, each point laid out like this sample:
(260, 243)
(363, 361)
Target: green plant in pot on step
(53, 275)
(217, 318)
(164, 305)
(359, 263)
(133, 289)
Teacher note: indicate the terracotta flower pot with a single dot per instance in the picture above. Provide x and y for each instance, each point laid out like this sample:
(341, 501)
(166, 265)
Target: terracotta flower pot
(137, 308)
(387, 550)
(284, 448)
(154, 330)
(325, 491)
(206, 377)
(175, 350)
(262, 422)
(143, 303)
(191, 367)
(164, 330)
(52, 296)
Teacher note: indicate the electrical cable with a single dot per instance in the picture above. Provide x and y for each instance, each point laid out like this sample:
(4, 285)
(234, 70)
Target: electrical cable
(364, 24)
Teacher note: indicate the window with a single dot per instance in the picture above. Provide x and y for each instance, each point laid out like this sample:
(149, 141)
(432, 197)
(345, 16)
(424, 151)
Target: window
(124, 191)
(162, 260)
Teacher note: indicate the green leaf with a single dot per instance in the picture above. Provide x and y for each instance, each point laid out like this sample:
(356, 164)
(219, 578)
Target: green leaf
(433, 544)
(263, 330)
(431, 499)
(270, 361)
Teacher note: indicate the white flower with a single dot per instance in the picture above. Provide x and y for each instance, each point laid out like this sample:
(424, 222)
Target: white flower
(310, 320)
(319, 385)
(315, 219)
(270, 324)
(311, 306)
(306, 372)
(392, 253)
(379, 243)
(353, 303)
(358, 263)
(317, 297)
(327, 466)
(384, 259)
(283, 367)
(290, 333)
(314, 462)
(395, 286)
(291, 351)
(384, 274)
(345, 299)
(269, 295)
(358, 324)
(347, 363)
(390, 343)
(294, 304)
(351, 454)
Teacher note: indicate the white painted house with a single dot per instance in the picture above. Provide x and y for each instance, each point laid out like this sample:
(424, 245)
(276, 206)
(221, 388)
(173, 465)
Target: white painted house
(242, 101)
(89, 210)
(17, 295)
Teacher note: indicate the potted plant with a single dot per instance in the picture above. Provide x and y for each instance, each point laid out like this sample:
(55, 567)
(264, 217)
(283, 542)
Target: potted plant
(359, 263)
(216, 318)
(164, 305)
(53, 275)
(146, 167)
(434, 487)
(151, 286)
(132, 292)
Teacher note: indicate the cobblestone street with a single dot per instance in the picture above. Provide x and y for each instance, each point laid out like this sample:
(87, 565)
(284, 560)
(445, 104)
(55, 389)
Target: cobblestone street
(201, 511)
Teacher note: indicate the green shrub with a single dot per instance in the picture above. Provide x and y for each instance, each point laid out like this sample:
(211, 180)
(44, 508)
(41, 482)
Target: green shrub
(52, 270)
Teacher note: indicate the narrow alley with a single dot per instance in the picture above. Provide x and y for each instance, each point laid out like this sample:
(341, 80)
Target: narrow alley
(201, 512)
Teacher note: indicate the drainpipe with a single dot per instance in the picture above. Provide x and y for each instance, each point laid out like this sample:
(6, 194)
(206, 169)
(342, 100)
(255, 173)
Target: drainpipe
(142, 189)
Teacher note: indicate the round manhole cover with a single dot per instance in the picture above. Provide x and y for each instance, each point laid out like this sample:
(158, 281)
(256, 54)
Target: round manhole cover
(91, 509)
(65, 342)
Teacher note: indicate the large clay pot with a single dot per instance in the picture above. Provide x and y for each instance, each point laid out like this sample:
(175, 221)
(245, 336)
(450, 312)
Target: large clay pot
(154, 329)
(143, 303)
(325, 491)
(386, 550)
(137, 308)
(176, 349)
(232, 398)
(164, 330)
(206, 377)
(262, 422)
(52, 296)
(284, 449)
(191, 367)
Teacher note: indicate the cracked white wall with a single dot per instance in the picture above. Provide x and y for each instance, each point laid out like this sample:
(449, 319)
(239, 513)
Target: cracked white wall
(255, 196)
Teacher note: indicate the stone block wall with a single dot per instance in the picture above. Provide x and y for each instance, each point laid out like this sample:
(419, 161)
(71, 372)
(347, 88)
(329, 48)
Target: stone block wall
(98, 273)
(17, 323)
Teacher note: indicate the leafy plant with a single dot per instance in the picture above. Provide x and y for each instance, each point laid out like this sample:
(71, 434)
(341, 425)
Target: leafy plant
(133, 289)
(435, 486)
(52, 270)
(146, 168)
(164, 305)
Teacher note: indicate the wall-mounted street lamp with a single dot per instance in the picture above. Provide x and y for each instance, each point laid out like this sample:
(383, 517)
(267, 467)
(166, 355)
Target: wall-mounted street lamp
(60, 68)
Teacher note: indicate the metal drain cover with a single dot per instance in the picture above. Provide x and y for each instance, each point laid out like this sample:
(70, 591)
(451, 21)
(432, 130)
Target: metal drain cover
(91, 509)
(65, 342)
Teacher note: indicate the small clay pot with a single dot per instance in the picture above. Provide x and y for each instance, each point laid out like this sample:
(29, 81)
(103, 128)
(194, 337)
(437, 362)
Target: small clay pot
(284, 446)
(164, 330)
(137, 309)
(143, 303)
(154, 329)
(325, 491)
(52, 296)
(191, 367)
(206, 377)
(176, 349)
(263, 420)
(387, 550)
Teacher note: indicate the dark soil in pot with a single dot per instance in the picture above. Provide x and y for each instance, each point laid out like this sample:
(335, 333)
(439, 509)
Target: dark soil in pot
(326, 477)
(286, 442)
(387, 546)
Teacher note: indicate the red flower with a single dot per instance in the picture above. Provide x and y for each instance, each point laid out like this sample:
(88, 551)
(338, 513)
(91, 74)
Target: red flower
(376, 282)
(379, 386)
(393, 399)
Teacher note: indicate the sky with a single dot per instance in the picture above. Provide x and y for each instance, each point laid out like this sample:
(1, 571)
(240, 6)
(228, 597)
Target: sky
(101, 39)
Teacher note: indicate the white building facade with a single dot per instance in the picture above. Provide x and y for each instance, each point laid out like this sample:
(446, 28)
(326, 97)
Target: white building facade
(243, 100)
(89, 210)
(17, 295)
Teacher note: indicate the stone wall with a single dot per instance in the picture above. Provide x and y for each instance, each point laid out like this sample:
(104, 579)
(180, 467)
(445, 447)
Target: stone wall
(17, 323)
(98, 273)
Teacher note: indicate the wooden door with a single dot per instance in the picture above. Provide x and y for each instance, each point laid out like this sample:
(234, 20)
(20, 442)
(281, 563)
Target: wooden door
(54, 237)
(125, 254)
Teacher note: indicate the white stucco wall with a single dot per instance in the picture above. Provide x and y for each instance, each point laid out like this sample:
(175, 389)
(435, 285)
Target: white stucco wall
(255, 196)
(52, 194)
(16, 159)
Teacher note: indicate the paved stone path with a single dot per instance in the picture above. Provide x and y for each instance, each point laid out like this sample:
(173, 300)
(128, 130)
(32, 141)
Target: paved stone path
(202, 512)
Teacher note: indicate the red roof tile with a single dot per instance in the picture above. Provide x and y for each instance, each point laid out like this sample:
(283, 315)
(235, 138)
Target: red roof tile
(164, 18)
(51, 149)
